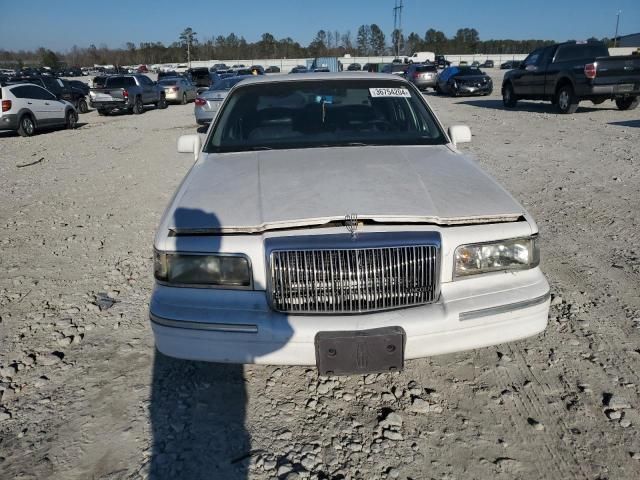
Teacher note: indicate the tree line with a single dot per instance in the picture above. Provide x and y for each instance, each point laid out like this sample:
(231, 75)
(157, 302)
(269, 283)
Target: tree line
(369, 40)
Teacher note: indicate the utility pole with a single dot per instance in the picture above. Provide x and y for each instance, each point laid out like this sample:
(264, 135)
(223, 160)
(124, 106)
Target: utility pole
(397, 24)
(615, 38)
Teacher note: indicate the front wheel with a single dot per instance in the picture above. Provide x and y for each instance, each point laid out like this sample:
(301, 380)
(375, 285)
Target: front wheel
(26, 127)
(567, 100)
(509, 98)
(162, 104)
(71, 119)
(627, 103)
(82, 106)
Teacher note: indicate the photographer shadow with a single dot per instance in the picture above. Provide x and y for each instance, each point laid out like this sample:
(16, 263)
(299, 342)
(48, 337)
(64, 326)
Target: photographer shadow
(198, 409)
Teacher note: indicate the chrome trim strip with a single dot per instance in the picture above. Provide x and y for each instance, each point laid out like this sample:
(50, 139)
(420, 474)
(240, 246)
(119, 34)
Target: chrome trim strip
(485, 312)
(210, 327)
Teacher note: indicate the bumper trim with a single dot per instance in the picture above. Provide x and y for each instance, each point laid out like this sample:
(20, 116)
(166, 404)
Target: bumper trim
(486, 312)
(211, 327)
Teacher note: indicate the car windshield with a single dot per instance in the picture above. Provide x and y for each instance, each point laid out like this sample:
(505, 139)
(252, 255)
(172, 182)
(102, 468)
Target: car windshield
(311, 114)
(226, 83)
(169, 81)
(425, 68)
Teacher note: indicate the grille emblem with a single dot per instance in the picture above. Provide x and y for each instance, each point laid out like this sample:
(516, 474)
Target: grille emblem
(351, 222)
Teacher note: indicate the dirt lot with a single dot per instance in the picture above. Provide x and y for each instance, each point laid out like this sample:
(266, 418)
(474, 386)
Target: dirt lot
(84, 395)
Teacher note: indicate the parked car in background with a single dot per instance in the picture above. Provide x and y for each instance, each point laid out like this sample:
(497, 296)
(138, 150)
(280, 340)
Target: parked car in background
(395, 68)
(239, 65)
(98, 81)
(168, 73)
(422, 76)
(272, 69)
(27, 107)
(463, 63)
(299, 69)
(354, 67)
(567, 73)
(422, 57)
(488, 64)
(372, 67)
(475, 63)
(127, 92)
(142, 69)
(258, 260)
(464, 81)
(208, 103)
(60, 88)
(217, 67)
(178, 89)
(510, 65)
(82, 86)
(200, 77)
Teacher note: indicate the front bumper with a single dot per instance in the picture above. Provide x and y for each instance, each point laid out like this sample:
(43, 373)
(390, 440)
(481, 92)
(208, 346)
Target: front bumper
(473, 90)
(239, 327)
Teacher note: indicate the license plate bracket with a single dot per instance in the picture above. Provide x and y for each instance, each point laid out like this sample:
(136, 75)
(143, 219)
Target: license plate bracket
(360, 351)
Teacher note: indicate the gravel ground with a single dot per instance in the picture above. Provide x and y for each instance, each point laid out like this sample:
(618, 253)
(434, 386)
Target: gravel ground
(83, 395)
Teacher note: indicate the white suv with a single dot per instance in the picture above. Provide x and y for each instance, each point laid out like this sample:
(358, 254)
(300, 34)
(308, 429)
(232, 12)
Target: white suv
(27, 107)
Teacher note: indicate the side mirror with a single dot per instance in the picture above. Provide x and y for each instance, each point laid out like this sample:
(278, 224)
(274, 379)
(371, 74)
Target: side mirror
(459, 134)
(189, 144)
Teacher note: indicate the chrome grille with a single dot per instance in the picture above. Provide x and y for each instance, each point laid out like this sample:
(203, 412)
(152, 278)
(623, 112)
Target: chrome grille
(353, 280)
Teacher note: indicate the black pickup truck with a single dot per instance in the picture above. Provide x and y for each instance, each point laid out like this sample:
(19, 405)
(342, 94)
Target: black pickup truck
(567, 73)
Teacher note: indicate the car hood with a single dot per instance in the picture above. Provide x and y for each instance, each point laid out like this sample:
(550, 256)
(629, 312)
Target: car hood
(253, 192)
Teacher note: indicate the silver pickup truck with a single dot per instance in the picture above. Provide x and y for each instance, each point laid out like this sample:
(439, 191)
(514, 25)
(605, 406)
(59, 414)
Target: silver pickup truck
(127, 92)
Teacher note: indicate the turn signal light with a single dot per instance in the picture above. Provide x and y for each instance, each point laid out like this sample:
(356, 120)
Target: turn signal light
(200, 101)
(591, 70)
(6, 105)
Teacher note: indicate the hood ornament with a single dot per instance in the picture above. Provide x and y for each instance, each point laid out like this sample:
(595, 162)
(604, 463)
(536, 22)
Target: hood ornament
(351, 222)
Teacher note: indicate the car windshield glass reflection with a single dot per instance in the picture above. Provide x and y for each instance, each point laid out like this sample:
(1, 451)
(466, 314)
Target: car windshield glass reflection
(314, 113)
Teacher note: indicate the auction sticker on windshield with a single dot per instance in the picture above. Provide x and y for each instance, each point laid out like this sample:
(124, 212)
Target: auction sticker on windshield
(389, 92)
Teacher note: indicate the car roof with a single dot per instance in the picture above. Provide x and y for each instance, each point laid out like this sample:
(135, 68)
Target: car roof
(251, 79)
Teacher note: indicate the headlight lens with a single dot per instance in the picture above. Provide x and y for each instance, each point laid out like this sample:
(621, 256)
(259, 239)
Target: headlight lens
(515, 254)
(203, 269)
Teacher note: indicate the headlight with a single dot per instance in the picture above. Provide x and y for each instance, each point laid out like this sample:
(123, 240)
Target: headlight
(220, 270)
(515, 254)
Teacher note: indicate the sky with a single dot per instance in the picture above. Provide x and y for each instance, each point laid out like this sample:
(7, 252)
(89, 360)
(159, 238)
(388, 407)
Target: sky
(59, 25)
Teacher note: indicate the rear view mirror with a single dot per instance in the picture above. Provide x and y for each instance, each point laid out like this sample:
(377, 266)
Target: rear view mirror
(459, 134)
(189, 144)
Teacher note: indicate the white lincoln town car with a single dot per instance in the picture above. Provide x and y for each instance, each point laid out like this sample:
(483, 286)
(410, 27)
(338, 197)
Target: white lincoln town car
(330, 220)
